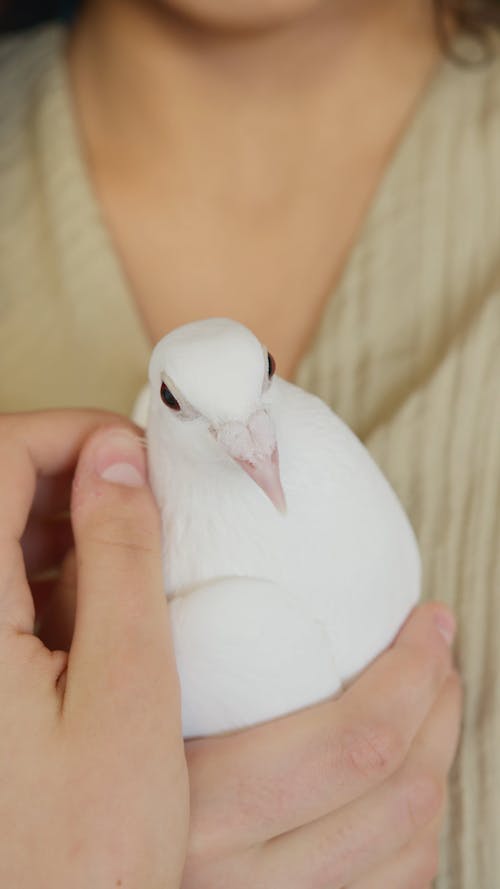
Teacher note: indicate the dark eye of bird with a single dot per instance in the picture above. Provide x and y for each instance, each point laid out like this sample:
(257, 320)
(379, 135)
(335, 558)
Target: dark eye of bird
(168, 398)
(271, 366)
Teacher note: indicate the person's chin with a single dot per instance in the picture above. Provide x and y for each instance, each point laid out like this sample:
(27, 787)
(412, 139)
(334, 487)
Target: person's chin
(242, 14)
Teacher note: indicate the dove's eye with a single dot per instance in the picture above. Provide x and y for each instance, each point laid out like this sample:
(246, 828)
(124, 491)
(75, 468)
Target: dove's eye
(271, 366)
(168, 398)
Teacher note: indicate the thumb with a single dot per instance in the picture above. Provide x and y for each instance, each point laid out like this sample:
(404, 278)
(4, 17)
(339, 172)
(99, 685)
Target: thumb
(121, 646)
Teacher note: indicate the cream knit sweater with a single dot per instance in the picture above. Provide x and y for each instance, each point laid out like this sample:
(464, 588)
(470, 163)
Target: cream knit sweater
(407, 352)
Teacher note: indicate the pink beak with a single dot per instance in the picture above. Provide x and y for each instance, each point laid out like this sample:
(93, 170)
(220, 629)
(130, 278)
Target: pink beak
(266, 473)
(253, 446)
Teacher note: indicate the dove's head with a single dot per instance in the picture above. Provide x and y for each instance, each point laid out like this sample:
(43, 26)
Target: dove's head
(210, 387)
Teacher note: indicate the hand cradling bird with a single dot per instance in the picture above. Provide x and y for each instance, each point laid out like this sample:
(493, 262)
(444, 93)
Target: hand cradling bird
(289, 562)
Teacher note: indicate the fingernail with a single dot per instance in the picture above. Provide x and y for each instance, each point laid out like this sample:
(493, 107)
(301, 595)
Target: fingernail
(119, 458)
(446, 625)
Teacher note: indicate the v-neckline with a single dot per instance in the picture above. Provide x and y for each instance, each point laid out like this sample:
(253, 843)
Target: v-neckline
(118, 294)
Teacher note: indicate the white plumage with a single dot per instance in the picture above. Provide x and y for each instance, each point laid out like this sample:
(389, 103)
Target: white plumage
(275, 605)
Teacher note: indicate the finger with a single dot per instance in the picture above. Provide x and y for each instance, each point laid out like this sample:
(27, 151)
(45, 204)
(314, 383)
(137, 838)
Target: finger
(297, 769)
(413, 867)
(121, 665)
(340, 848)
(45, 443)
(40, 443)
(437, 741)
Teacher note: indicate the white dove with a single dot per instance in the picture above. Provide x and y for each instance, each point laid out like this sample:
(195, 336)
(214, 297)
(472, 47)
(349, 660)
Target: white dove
(289, 562)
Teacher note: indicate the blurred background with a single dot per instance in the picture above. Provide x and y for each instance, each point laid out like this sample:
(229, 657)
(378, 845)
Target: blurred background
(15, 15)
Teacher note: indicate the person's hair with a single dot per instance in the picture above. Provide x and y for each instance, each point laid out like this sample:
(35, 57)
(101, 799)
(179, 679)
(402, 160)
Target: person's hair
(473, 16)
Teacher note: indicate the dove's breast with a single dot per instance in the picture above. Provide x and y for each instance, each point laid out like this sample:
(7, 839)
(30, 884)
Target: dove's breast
(344, 550)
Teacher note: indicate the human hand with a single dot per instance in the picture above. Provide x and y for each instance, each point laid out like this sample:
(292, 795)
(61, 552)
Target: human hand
(92, 769)
(349, 793)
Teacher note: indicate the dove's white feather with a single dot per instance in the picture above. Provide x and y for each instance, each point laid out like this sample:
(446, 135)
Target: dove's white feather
(271, 612)
(236, 667)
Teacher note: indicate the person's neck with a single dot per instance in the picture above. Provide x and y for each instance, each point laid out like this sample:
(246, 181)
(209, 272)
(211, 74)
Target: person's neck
(244, 107)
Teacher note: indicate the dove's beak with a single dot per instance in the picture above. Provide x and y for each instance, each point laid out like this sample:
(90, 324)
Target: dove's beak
(266, 473)
(252, 445)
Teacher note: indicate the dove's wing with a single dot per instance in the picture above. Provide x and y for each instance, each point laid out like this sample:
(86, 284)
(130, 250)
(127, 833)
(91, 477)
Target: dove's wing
(247, 652)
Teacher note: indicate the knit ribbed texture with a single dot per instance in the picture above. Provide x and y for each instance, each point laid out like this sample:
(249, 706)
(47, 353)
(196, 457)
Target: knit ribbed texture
(70, 334)
(407, 352)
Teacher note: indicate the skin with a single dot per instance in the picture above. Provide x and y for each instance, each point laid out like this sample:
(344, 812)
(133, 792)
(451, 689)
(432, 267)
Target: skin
(257, 153)
(265, 129)
(75, 728)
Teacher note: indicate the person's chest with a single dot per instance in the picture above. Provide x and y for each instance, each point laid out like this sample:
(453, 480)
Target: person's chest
(253, 219)
(272, 268)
